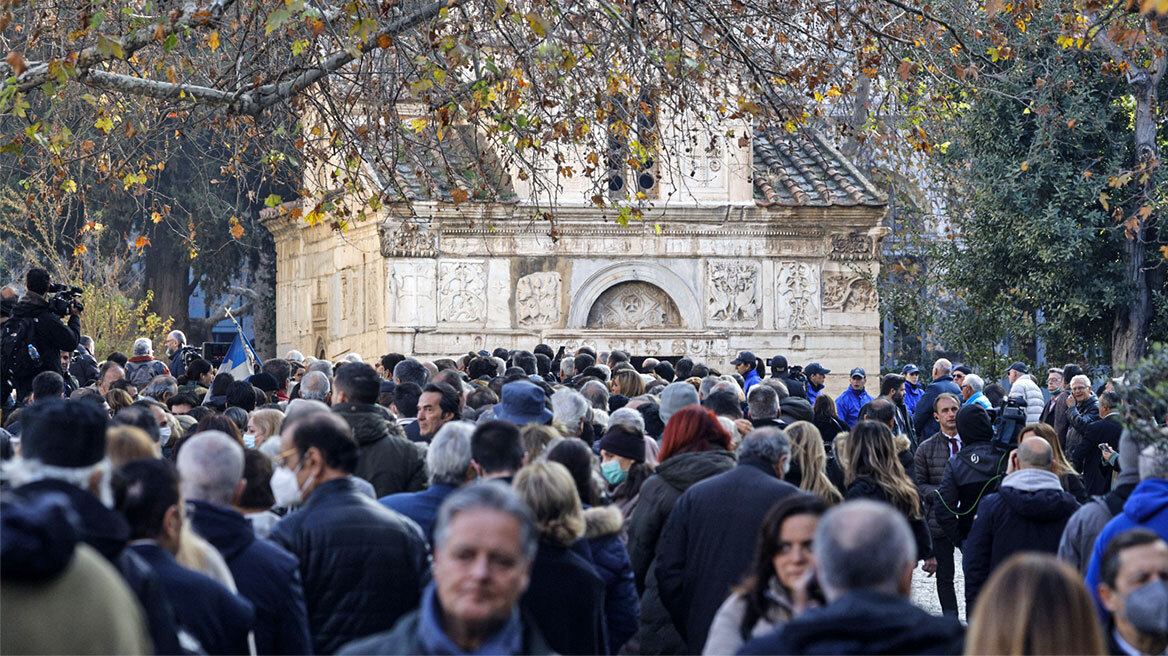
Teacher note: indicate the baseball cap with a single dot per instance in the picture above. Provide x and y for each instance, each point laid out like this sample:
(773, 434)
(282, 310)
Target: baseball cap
(910, 369)
(778, 362)
(858, 371)
(744, 357)
(1019, 367)
(815, 368)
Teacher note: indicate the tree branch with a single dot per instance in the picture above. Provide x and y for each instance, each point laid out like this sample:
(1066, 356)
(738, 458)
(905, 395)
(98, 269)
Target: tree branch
(233, 102)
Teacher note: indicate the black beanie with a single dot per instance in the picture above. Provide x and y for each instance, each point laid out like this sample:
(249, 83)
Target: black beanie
(64, 433)
(620, 440)
(973, 424)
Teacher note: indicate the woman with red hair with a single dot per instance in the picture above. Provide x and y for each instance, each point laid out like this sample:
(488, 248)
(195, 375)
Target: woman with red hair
(694, 447)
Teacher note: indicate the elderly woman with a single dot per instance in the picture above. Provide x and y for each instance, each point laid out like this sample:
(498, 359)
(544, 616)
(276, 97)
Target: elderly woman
(572, 623)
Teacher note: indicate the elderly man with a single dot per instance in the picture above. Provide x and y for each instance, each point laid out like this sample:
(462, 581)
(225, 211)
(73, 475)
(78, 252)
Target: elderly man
(923, 419)
(763, 401)
(1133, 587)
(142, 367)
(448, 459)
(864, 560)
(161, 388)
(572, 410)
(971, 390)
(315, 386)
(1054, 386)
(485, 542)
(1028, 513)
(1024, 387)
(1082, 410)
(1086, 457)
(211, 466)
(363, 565)
(175, 341)
(700, 557)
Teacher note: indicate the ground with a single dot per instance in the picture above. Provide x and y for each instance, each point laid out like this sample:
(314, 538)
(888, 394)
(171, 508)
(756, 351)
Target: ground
(924, 589)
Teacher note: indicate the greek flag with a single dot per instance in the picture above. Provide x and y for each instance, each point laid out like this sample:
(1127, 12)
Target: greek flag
(238, 361)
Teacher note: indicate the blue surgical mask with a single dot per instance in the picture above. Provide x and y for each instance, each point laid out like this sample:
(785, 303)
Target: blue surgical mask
(612, 472)
(249, 440)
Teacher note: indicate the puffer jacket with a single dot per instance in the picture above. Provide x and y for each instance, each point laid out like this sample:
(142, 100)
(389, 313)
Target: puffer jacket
(389, 461)
(672, 477)
(363, 566)
(1028, 390)
(928, 469)
(622, 609)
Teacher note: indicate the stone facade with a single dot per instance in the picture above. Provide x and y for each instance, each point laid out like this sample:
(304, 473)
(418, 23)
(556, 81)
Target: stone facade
(697, 277)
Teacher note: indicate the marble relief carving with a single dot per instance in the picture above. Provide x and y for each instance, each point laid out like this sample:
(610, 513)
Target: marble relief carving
(634, 305)
(849, 293)
(537, 299)
(462, 291)
(407, 239)
(797, 284)
(851, 246)
(733, 292)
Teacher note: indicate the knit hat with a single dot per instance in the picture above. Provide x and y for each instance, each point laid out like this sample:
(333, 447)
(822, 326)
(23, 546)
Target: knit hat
(620, 440)
(64, 433)
(264, 381)
(675, 397)
(973, 424)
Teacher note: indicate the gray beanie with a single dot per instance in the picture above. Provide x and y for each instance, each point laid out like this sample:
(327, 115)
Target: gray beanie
(1129, 460)
(675, 397)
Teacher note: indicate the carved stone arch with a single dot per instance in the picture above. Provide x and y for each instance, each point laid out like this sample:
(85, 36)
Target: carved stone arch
(669, 282)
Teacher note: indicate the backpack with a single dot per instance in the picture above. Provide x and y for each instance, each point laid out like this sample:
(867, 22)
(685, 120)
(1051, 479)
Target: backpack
(141, 373)
(16, 335)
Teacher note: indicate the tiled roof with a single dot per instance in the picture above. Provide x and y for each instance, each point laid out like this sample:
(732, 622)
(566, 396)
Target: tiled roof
(804, 170)
(433, 169)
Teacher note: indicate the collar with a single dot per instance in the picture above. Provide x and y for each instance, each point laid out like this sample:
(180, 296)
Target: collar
(33, 298)
(814, 387)
(1123, 645)
(141, 358)
(507, 640)
(1032, 480)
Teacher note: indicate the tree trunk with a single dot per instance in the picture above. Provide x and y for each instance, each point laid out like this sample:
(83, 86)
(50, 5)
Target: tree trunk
(166, 275)
(1129, 334)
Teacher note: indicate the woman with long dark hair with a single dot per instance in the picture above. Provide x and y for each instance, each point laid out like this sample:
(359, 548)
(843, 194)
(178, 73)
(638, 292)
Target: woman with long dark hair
(774, 591)
(826, 419)
(872, 470)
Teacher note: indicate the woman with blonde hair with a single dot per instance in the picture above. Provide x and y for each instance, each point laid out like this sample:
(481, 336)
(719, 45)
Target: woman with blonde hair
(566, 595)
(627, 382)
(117, 399)
(1034, 604)
(809, 463)
(125, 443)
(262, 424)
(536, 438)
(1070, 479)
(872, 470)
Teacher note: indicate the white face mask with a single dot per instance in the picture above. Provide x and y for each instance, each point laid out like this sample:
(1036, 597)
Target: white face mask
(284, 487)
(249, 440)
(164, 434)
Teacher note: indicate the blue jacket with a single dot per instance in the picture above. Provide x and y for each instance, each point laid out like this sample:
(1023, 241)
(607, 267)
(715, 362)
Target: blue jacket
(219, 619)
(266, 575)
(912, 394)
(923, 414)
(422, 507)
(566, 600)
(750, 380)
(980, 399)
(1147, 507)
(363, 566)
(622, 607)
(848, 405)
(812, 393)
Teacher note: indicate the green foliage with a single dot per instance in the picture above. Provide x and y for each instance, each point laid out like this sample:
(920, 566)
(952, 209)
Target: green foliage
(114, 320)
(1145, 393)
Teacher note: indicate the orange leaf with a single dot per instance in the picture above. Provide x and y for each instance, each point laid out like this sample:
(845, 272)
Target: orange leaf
(992, 7)
(80, 250)
(384, 41)
(237, 231)
(141, 242)
(16, 61)
(213, 41)
(1071, 124)
(1164, 251)
(459, 196)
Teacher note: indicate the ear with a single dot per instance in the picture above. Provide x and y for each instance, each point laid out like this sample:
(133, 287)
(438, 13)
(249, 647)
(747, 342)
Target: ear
(239, 488)
(1108, 597)
(172, 523)
(905, 585)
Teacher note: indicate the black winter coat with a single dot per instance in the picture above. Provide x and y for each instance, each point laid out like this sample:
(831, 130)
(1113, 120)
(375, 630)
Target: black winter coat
(363, 566)
(863, 623)
(622, 608)
(655, 503)
(49, 336)
(1078, 418)
(969, 476)
(923, 420)
(1009, 521)
(703, 554)
(866, 488)
(566, 600)
(389, 461)
(265, 574)
(1087, 458)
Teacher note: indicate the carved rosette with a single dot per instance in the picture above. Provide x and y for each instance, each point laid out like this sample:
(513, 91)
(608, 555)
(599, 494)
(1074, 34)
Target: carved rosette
(732, 292)
(462, 287)
(537, 299)
(797, 286)
(634, 305)
(852, 246)
(845, 292)
(407, 239)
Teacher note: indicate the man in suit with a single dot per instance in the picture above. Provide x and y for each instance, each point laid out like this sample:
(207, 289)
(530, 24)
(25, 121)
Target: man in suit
(1087, 457)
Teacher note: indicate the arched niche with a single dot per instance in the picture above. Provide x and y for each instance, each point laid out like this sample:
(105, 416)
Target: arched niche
(633, 305)
(668, 282)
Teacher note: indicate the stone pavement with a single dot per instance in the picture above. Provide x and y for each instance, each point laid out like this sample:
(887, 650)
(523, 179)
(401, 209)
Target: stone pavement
(924, 589)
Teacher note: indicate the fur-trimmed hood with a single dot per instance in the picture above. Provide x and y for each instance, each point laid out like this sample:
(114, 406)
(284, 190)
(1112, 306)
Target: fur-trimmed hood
(602, 521)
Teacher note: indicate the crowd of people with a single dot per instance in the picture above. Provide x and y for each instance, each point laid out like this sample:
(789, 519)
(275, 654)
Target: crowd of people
(535, 502)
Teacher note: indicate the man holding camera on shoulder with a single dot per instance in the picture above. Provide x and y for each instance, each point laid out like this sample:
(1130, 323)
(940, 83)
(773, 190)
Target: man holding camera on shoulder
(34, 336)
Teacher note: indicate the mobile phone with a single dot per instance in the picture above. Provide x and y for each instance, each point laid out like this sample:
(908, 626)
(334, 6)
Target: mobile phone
(1103, 446)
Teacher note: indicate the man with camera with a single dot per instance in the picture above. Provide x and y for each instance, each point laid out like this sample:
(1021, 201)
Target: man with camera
(34, 336)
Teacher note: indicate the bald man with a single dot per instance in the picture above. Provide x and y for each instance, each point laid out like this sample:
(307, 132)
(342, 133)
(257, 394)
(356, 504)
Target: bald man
(923, 420)
(1028, 513)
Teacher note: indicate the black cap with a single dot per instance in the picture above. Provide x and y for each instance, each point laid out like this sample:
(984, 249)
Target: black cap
(910, 369)
(858, 372)
(64, 433)
(266, 382)
(744, 357)
(1020, 367)
(620, 440)
(778, 362)
(963, 368)
(815, 368)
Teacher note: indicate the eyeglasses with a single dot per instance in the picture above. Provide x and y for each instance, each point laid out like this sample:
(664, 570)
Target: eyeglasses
(1079, 388)
(282, 458)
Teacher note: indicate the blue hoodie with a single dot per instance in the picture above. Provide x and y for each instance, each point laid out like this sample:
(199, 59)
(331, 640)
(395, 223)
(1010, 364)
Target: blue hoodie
(1147, 507)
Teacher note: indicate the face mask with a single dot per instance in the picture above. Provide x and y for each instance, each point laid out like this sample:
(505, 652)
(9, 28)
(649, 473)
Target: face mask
(164, 434)
(1146, 608)
(613, 473)
(249, 440)
(288, 494)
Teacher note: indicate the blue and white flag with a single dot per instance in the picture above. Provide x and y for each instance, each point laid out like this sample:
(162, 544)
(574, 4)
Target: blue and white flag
(238, 361)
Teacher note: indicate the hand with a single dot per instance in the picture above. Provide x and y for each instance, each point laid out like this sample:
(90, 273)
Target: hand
(1107, 452)
(930, 566)
(1070, 400)
(1012, 466)
(743, 425)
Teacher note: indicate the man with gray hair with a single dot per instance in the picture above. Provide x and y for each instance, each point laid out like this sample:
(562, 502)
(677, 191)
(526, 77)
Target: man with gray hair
(864, 559)
(411, 370)
(705, 550)
(142, 368)
(448, 460)
(971, 390)
(567, 369)
(161, 388)
(923, 420)
(571, 409)
(315, 386)
(211, 468)
(323, 366)
(485, 541)
(763, 401)
(1028, 513)
(1082, 411)
(175, 341)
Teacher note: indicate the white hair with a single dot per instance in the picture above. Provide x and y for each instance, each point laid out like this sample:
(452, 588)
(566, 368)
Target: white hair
(353, 357)
(21, 471)
(943, 366)
(863, 545)
(1083, 379)
(143, 346)
(294, 356)
(449, 453)
(570, 408)
(178, 336)
(210, 466)
(629, 417)
(314, 386)
(974, 381)
(567, 368)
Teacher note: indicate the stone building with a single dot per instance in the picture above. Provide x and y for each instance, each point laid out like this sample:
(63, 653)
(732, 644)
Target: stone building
(770, 245)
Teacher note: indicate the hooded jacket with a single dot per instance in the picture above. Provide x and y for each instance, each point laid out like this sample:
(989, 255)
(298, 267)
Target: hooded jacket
(266, 575)
(389, 461)
(863, 622)
(969, 476)
(658, 495)
(1028, 513)
(622, 608)
(1147, 507)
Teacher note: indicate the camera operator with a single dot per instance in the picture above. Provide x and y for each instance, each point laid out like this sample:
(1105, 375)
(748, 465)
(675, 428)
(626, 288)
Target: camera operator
(45, 336)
